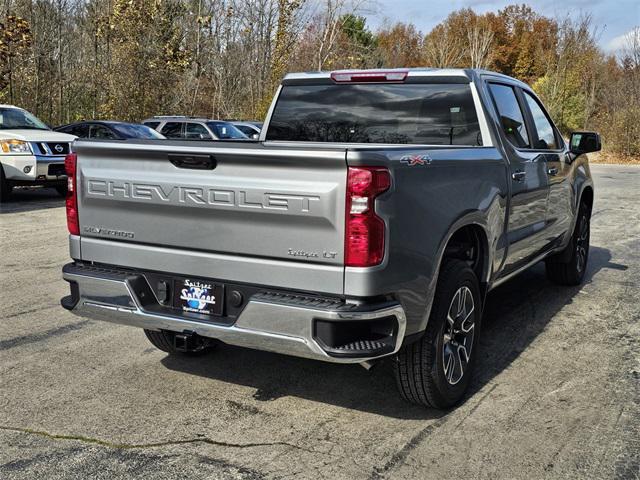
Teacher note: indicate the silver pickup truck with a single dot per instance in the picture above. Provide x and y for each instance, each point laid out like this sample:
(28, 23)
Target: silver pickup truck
(370, 220)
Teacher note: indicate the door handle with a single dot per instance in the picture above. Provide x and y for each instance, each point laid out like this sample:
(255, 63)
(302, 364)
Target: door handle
(193, 161)
(553, 171)
(518, 176)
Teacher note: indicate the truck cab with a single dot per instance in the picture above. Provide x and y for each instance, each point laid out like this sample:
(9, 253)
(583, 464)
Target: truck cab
(30, 152)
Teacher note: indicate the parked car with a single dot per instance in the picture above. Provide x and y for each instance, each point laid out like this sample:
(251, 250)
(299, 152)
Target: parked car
(194, 128)
(31, 153)
(250, 129)
(110, 130)
(371, 223)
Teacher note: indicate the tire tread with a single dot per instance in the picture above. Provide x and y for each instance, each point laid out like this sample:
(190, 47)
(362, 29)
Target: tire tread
(412, 366)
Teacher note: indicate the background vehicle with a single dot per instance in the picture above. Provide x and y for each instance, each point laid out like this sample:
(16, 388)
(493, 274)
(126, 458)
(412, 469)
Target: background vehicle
(31, 154)
(194, 128)
(371, 223)
(250, 129)
(109, 130)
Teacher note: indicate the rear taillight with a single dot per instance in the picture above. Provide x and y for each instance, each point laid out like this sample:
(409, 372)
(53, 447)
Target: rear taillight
(365, 231)
(72, 197)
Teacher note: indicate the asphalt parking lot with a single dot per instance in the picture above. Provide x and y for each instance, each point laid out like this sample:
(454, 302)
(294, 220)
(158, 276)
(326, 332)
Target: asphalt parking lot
(556, 393)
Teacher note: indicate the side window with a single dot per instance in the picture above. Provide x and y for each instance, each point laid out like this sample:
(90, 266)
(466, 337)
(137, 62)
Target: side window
(511, 116)
(153, 125)
(172, 130)
(246, 129)
(196, 130)
(81, 131)
(99, 131)
(546, 136)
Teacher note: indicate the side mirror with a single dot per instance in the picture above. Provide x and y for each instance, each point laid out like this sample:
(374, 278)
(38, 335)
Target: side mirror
(255, 136)
(584, 142)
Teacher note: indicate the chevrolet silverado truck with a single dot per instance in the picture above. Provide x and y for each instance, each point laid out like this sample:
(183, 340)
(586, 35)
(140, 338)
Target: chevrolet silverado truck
(369, 221)
(31, 154)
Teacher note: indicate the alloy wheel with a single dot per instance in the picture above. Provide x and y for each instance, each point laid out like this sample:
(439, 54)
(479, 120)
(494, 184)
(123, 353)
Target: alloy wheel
(458, 335)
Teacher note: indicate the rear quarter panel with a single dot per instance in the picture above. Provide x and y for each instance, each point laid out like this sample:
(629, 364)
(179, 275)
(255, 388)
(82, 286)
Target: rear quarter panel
(426, 204)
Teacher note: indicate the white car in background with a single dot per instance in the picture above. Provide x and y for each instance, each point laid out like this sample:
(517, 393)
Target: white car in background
(30, 152)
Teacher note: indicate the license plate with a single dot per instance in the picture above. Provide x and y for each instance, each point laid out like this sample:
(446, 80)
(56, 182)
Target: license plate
(198, 296)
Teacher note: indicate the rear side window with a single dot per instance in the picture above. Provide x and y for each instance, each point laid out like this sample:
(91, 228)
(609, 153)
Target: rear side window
(81, 131)
(432, 114)
(196, 130)
(153, 125)
(510, 113)
(98, 131)
(172, 130)
(546, 135)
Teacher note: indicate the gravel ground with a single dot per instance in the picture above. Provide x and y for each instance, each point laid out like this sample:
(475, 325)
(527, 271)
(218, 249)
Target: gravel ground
(556, 392)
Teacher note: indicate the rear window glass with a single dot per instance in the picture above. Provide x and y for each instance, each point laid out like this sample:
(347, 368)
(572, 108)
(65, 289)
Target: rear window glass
(433, 114)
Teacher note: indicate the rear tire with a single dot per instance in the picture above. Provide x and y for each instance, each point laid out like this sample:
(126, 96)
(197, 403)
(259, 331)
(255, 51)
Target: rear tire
(165, 341)
(569, 266)
(435, 371)
(5, 187)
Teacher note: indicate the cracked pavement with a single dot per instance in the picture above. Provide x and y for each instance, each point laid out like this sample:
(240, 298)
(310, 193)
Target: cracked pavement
(556, 393)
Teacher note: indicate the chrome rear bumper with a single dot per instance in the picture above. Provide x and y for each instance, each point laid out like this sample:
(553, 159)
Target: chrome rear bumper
(262, 324)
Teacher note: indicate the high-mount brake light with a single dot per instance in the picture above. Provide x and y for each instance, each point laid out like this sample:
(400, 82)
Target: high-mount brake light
(359, 77)
(364, 231)
(71, 201)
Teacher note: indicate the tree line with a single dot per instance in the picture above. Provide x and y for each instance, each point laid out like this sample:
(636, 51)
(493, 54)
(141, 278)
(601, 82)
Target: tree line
(67, 60)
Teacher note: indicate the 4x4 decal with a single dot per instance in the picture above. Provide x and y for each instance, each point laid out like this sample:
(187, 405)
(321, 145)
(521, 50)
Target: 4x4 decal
(413, 160)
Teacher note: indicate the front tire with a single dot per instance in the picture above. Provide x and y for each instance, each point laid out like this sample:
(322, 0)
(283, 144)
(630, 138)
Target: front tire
(435, 371)
(569, 266)
(165, 341)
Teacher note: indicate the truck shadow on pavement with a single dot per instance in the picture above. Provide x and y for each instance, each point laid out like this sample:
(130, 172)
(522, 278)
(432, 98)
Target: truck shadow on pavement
(30, 199)
(515, 314)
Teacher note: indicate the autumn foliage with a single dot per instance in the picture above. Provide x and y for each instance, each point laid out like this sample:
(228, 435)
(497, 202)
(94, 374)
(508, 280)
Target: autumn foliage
(67, 60)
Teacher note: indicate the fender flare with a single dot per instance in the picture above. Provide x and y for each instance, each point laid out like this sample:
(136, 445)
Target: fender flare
(473, 218)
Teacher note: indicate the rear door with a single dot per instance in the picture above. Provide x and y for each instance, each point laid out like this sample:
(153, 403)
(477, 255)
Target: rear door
(251, 200)
(529, 183)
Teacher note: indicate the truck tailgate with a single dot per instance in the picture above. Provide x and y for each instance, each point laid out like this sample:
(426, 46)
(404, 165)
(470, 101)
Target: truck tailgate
(241, 199)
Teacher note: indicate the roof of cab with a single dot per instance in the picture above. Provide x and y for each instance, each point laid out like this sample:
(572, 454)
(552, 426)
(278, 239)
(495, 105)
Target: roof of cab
(412, 72)
(465, 73)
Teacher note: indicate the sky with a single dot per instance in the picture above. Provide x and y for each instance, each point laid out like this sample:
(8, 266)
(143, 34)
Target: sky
(613, 19)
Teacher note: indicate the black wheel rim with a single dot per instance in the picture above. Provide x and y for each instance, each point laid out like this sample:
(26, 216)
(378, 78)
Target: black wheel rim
(458, 335)
(582, 243)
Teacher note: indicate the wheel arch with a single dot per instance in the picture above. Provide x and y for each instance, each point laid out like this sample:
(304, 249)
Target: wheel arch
(471, 224)
(470, 243)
